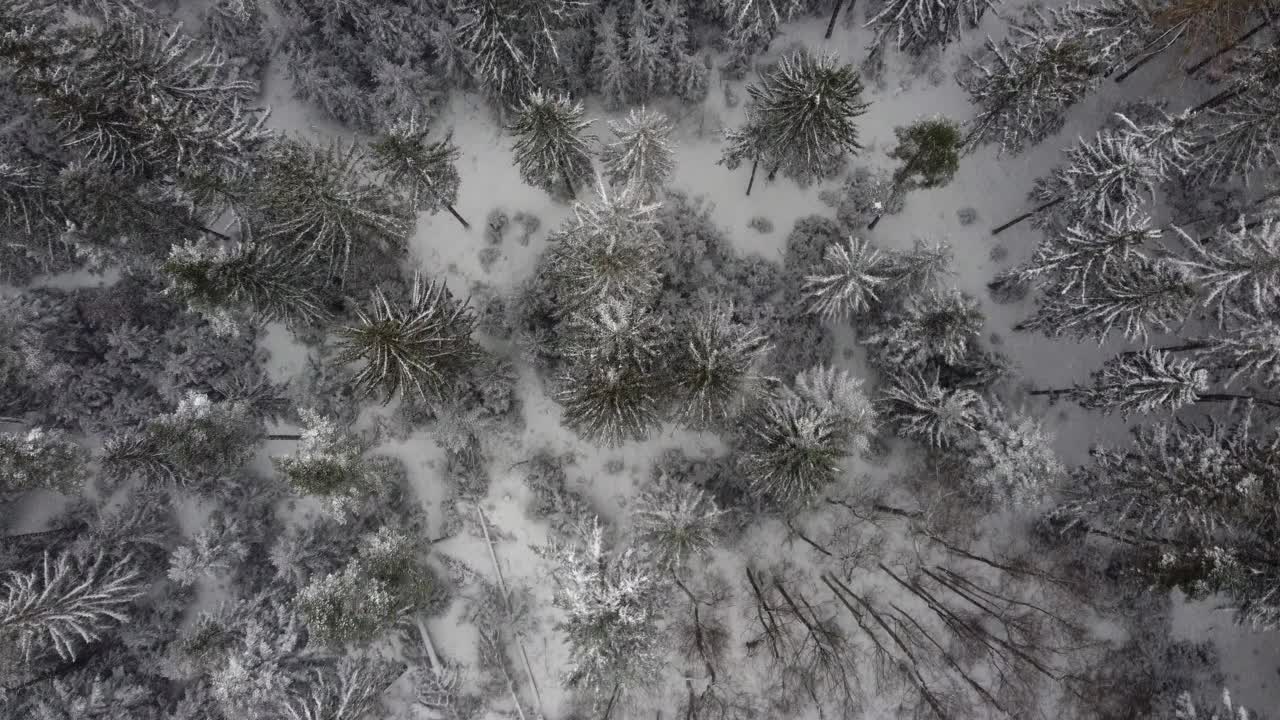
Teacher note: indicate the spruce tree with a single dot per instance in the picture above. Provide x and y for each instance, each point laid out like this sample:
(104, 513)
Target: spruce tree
(1141, 382)
(1237, 269)
(329, 463)
(316, 200)
(713, 365)
(805, 108)
(198, 444)
(41, 459)
(915, 26)
(515, 43)
(642, 157)
(795, 442)
(66, 603)
(1023, 85)
(610, 250)
(1131, 299)
(612, 610)
(421, 343)
(921, 409)
(752, 24)
(131, 95)
(747, 142)
(612, 76)
(1013, 461)
(612, 404)
(1194, 502)
(676, 522)
(551, 148)
(849, 280)
(424, 169)
(220, 281)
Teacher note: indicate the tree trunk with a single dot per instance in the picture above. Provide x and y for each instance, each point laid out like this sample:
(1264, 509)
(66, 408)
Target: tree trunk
(875, 221)
(831, 25)
(752, 180)
(455, 214)
(1134, 67)
(774, 172)
(1218, 99)
(1229, 47)
(568, 182)
(612, 699)
(284, 437)
(1232, 397)
(1026, 215)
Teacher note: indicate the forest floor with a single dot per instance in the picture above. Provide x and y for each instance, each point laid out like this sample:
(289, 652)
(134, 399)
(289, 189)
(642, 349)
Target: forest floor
(994, 186)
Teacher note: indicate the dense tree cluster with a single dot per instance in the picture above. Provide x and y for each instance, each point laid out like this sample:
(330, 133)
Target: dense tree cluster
(883, 529)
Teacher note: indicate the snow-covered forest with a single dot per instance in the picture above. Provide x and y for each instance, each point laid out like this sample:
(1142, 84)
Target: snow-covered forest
(639, 359)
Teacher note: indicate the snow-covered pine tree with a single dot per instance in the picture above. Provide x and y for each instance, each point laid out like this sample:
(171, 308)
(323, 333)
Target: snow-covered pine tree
(612, 404)
(675, 522)
(641, 158)
(331, 463)
(1115, 31)
(747, 142)
(316, 199)
(238, 28)
(41, 459)
(515, 44)
(610, 250)
(136, 97)
(712, 365)
(1250, 352)
(262, 282)
(67, 603)
(929, 327)
(1013, 461)
(367, 63)
(610, 71)
(1131, 299)
(613, 333)
(1117, 169)
(752, 24)
(644, 58)
(612, 609)
(806, 107)
(849, 280)
(349, 689)
(347, 606)
(1238, 138)
(422, 342)
(1237, 126)
(198, 444)
(920, 408)
(1023, 85)
(1237, 269)
(386, 580)
(687, 73)
(1145, 381)
(795, 441)
(551, 148)
(921, 268)
(916, 26)
(1071, 258)
(1195, 502)
(424, 169)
